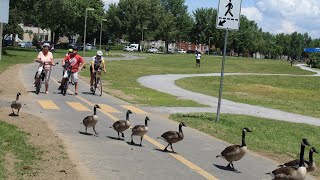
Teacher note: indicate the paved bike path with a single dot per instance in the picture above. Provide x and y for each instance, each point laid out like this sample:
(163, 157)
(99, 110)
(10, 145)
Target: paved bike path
(166, 83)
(105, 158)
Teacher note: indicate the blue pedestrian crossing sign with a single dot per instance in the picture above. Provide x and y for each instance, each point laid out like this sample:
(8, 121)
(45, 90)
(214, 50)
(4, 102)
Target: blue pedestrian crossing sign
(229, 14)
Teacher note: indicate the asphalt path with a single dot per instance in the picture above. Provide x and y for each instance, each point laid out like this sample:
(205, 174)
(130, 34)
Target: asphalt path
(166, 83)
(104, 157)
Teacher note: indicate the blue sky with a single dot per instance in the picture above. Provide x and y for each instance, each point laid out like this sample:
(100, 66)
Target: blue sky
(274, 16)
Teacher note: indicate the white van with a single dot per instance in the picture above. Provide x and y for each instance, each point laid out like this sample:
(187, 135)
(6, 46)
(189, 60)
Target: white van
(134, 47)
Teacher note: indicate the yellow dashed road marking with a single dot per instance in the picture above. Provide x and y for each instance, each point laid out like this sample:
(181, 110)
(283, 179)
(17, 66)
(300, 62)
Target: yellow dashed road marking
(134, 109)
(108, 108)
(178, 157)
(47, 104)
(78, 106)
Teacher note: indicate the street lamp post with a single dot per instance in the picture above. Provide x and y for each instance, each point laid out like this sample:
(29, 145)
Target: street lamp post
(142, 37)
(85, 29)
(209, 45)
(101, 31)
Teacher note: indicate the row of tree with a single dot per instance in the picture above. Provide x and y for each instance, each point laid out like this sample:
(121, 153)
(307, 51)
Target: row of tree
(166, 20)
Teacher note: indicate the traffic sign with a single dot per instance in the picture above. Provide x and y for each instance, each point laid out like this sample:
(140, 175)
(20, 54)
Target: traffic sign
(311, 49)
(229, 14)
(4, 11)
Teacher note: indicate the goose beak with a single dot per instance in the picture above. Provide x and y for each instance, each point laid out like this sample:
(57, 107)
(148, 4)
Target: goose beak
(305, 142)
(315, 150)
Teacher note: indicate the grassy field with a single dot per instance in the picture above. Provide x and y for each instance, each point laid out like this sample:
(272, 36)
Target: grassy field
(292, 94)
(15, 142)
(123, 75)
(277, 139)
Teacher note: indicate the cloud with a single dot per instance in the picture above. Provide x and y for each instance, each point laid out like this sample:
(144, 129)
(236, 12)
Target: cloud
(252, 13)
(289, 15)
(108, 2)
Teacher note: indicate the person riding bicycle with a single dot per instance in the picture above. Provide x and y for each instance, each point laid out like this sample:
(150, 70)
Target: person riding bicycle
(63, 62)
(76, 63)
(45, 58)
(95, 66)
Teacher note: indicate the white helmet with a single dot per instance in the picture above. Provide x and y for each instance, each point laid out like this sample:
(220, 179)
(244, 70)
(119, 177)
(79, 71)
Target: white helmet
(99, 53)
(45, 45)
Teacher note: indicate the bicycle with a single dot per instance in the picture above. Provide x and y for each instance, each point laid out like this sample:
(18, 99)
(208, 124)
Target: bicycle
(97, 84)
(65, 86)
(40, 78)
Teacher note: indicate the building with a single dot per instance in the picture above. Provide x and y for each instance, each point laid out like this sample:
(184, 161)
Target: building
(30, 32)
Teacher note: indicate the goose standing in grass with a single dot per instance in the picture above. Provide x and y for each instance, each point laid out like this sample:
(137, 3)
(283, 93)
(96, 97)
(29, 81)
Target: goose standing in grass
(91, 121)
(310, 165)
(291, 172)
(122, 125)
(140, 130)
(16, 104)
(173, 136)
(235, 152)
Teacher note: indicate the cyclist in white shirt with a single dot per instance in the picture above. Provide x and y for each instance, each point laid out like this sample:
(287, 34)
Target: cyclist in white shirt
(198, 57)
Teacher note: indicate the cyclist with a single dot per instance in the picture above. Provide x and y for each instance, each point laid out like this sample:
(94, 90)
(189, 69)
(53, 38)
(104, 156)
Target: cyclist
(63, 62)
(76, 63)
(95, 66)
(45, 58)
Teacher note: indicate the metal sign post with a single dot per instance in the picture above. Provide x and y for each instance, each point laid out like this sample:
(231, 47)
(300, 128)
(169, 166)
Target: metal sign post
(1, 30)
(228, 18)
(222, 73)
(4, 18)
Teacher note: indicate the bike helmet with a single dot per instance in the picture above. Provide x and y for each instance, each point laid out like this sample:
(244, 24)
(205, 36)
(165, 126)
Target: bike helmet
(75, 48)
(99, 53)
(45, 45)
(70, 50)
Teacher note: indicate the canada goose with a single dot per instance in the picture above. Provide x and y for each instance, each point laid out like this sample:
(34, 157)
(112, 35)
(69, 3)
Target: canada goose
(290, 172)
(91, 121)
(16, 104)
(310, 165)
(173, 136)
(122, 125)
(140, 130)
(235, 152)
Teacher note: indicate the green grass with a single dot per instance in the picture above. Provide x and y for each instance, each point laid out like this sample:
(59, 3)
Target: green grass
(123, 75)
(292, 94)
(278, 139)
(15, 142)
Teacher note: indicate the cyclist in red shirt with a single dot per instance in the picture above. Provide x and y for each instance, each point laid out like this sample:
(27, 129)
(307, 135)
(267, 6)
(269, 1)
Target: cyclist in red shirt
(76, 63)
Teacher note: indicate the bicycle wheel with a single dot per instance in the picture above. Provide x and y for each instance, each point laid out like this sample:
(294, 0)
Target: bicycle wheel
(94, 85)
(38, 85)
(99, 86)
(65, 87)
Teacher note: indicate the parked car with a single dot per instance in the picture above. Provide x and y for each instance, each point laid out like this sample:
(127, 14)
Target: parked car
(90, 47)
(191, 51)
(125, 48)
(181, 51)
(153, 50)
(70, 46)
(25, 44)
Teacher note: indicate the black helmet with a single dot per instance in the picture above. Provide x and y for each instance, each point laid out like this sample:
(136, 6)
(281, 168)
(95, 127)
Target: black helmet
(75, 48)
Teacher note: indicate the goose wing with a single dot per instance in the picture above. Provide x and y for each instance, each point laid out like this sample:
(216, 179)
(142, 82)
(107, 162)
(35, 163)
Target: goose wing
(294, 162)
(284, 172)
(87, 119)
(170, 135)
(119, 124)
(138, 128)
(230, 150)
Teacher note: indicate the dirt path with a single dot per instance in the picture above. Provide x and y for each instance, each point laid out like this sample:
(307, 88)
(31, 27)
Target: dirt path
(55, 162)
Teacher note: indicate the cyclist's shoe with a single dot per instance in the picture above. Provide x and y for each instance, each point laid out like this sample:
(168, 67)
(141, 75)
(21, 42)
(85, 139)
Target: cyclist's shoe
(75, 93)
(47, 92)
(91, 89)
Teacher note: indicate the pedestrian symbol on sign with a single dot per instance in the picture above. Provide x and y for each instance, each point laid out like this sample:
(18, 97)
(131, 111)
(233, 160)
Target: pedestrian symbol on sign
(230, 6)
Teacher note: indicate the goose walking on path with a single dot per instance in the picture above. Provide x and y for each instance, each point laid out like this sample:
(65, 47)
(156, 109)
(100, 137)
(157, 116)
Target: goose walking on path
(122, 125)
(91, 121)
(173, 136)
(16, 104)
(310, 165)
(235, 152)
(140, 130)
(291, 172)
